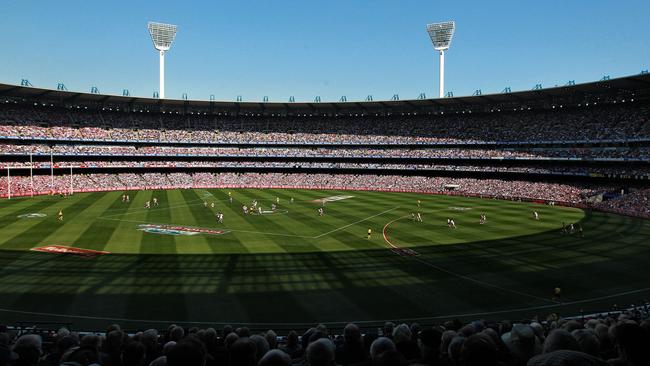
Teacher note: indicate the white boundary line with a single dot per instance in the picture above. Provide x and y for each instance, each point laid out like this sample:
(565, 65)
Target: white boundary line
(448, 316)
(356, 222)
(464, 277)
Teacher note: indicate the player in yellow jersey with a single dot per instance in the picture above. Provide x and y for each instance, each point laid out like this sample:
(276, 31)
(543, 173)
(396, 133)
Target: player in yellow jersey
(557, 294)
(369, 233)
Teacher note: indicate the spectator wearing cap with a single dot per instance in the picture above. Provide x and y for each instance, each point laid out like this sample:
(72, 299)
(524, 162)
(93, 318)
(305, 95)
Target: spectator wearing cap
(522, 343)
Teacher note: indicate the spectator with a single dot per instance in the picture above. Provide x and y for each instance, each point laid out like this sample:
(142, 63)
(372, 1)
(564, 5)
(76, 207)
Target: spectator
(560, 339)
(321, 353)
(351, 351)
(28, 348)
(243, 353)
(633, 345)
(522, 343)
(292, 346)
(478, 350)
(275, 358)
(188, 352)
(404, 342)
(381, 345)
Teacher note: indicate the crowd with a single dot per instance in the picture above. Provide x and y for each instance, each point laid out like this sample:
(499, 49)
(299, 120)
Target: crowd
(603, 122)
(615, 339)
(44, 184)
(635, 203)
(638, 153)
(612, 170)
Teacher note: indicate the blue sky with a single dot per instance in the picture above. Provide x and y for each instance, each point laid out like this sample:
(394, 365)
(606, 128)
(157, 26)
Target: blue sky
(282, 48)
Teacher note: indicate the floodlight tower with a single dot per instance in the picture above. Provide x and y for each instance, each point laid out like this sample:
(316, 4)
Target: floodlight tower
(441, 34)
(162, 36)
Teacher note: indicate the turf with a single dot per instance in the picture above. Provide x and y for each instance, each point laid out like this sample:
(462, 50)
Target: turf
(296, 267)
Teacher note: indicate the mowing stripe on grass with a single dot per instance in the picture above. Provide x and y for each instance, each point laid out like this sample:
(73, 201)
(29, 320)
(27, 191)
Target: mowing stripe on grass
(152, 243)
(126, 238)
(98, 233)
(269, 223)
(183, 215)
(32, 235)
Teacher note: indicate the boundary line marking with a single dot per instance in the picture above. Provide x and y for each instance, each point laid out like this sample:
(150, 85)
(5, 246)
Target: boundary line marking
(461, 276)
(449, 316)
(356, 222)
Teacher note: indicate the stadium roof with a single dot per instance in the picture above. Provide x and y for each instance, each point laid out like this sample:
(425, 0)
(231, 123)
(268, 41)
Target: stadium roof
(635, 85)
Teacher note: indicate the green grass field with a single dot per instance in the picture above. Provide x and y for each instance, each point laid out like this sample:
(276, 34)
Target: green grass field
(292, 267)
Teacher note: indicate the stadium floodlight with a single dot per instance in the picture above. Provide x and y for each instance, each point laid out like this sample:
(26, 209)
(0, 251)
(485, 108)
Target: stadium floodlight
(441, 34)
(162, 36)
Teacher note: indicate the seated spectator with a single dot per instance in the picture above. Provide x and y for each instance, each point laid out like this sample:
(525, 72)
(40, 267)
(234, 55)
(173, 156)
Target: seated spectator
(261, 345)
(560, 339)
(292, 346)
(429, 342)
(588, 341)
(381, 345)
(133, 353)
(390, 358)
(478, 350)
(243, 353)
(162, 360)
(404, 342)
(28, 348)
(522, 343)
(275, 357)
(81, 356)
(272, 339)
(351, 351)
(565, 358)
(188, 352)
(321, 353)
(633, 345)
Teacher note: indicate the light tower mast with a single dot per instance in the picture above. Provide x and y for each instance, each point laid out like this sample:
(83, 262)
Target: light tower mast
(441, 34)
(162, 36)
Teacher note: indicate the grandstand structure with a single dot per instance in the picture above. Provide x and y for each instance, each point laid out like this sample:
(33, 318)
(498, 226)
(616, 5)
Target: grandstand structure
(585, 146)
(594, 132)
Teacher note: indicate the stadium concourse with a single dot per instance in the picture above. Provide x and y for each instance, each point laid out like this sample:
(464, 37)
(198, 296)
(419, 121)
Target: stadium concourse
(585, 146)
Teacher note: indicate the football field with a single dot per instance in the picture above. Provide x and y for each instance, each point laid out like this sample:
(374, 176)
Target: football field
(288, 266)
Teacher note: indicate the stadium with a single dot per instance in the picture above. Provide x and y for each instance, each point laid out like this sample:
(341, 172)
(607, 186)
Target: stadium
(235, 228)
